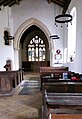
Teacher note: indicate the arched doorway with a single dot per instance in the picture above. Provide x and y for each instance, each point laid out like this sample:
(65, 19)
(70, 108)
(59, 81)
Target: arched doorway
(24, 34)
(34, 49)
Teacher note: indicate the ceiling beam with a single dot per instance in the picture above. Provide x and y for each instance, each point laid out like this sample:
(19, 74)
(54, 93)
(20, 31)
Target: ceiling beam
(62, 3)
(1, 2)
(17, 2)
(59, 3)
(7, 2)
(11, 3)
(49, 1)
(66, 6)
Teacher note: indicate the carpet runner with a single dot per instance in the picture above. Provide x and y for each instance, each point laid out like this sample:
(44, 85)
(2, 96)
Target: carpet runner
(30, 87)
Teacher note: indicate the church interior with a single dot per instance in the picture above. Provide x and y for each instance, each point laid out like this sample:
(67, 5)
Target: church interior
(40, 59)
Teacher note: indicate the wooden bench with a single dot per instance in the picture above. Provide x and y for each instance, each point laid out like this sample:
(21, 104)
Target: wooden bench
(52, 73)
(56, 76)
(9, 80)
(51, 69)
(66, 116)
(57, 95)
(63, 105)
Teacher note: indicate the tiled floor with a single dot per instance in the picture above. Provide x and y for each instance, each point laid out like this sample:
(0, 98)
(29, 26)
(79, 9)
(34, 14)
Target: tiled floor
(21, 106)
(25, 106)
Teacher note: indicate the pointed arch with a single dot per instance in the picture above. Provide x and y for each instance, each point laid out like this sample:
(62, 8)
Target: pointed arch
(26, 25)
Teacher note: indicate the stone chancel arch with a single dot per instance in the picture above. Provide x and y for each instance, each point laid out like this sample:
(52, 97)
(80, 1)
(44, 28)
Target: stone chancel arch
(25, 26)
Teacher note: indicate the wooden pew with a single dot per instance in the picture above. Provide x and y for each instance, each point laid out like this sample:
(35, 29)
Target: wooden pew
(9, 80)
(66, 116)
(51, 69)
(60, 88)
(52, 73)
(58, 74)
(72, 103)
(70, 87)
(55, 75)
(66, 94)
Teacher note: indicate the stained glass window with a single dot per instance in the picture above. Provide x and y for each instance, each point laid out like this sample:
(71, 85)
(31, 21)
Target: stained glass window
(36, 49)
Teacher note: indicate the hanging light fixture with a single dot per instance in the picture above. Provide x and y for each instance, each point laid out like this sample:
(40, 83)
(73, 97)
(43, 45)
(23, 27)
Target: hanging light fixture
(7, 35)
(54, 37)
(66, 18)
(63, 18)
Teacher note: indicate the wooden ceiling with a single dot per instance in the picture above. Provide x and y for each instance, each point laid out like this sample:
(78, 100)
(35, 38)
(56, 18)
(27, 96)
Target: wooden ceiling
(62, 3)
(9, 2)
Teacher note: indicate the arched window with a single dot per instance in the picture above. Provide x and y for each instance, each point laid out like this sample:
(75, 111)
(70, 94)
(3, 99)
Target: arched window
(72, 36)
(36, 49)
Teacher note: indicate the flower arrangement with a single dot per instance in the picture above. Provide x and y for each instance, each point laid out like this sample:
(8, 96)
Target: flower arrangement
(71, 58)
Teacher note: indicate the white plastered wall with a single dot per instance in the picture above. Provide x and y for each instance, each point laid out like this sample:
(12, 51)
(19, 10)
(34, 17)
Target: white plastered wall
(76, 65)
(6, 51)
(27, 13)
(42, 15)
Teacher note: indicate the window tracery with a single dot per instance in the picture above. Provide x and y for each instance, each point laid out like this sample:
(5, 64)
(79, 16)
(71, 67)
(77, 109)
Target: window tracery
(36, 49)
